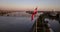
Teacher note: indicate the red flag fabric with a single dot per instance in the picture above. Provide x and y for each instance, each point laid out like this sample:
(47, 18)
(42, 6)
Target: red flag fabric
(35, 12)
(32, 17)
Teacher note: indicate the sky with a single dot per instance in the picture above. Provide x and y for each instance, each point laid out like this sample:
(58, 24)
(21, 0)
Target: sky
(29, 4)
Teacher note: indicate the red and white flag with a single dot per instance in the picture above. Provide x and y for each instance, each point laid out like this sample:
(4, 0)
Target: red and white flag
(35, 12)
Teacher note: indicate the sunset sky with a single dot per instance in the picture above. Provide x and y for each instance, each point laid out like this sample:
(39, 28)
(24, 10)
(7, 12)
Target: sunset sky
(29, 4)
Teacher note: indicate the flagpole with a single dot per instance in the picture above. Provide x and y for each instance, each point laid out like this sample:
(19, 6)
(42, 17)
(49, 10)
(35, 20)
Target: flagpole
(36, 22)
(36, 25)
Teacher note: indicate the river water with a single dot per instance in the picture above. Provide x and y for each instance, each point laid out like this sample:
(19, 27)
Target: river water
(15, 24)
(22, 24)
